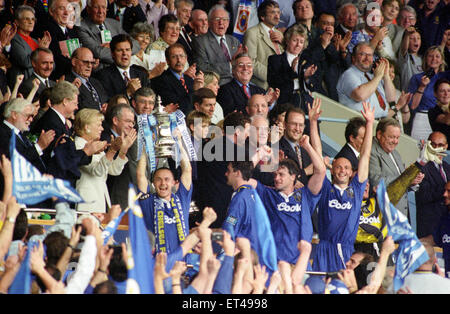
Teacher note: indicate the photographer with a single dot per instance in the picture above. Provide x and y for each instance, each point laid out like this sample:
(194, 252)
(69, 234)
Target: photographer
(421, 86)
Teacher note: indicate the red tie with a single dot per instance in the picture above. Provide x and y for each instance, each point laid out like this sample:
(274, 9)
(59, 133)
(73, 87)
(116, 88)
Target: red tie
(276, 46)
(380, 98)
(245, 88)
(125, 77)
(184, 84)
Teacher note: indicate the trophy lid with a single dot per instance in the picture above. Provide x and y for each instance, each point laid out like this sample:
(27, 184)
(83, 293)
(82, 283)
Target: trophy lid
(159, 110)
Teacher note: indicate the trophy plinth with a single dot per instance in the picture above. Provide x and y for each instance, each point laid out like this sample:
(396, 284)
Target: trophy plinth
(164, 143)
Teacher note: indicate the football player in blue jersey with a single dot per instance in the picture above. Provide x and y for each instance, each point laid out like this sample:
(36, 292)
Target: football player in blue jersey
(166, 214)
(339, 206)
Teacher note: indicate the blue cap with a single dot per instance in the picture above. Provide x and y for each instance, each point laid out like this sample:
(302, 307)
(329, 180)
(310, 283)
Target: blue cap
(316, 284)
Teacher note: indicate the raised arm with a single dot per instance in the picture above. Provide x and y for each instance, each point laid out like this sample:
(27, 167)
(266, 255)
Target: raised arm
(316, 180)
(363, 165)
(186, 168)
(314, 115)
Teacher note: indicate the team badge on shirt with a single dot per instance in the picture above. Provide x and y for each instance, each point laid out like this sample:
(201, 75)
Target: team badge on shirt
(298, 197)
(350, 192)
(232, 220)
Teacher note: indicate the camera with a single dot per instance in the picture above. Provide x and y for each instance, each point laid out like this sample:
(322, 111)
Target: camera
(217, 236)
(429, 73)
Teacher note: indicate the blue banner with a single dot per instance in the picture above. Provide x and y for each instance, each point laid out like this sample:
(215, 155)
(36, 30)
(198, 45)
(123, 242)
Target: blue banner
(31, 187)
(22, 280)
(140, 260)
(410, 253)
(266, 249)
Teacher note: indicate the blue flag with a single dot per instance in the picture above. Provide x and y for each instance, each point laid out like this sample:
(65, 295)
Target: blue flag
(111, 227)
(410, 253)
(22, 281)
(243, 18)
(266, 248)
(31, 187)
(140, 260)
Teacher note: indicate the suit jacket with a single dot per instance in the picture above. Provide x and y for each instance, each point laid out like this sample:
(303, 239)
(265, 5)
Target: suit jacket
(27, 85)
(171, 91)
(290, 153)
(429, 201)
(187, 46)
(231, 96)
(90, 37)
(347, 152)
(62, 63)
(131, 16)
(382, 167)
(85, 98)
(19, 55)
(209, 56)
(260, 47)
(113, 82)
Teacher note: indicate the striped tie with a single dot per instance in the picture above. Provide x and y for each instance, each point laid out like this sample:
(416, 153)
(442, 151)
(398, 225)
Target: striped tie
(184, 84)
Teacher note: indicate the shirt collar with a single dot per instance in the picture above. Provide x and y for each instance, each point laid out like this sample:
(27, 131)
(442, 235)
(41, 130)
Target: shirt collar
(63, 119)
(12, 127)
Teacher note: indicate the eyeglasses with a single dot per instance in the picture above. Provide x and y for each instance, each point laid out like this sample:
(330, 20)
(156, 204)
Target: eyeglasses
(87, 62)
(220, 19)
(27, 116)
(128, 121)
(241, 65)
(143, 37)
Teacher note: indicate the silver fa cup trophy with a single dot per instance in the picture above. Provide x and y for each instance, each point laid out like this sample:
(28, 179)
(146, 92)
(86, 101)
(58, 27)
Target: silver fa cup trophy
(164, 143)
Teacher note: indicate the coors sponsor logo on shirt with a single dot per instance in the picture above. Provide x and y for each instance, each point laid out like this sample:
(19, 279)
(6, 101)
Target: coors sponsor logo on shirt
(169, 220)
(445, 238)
(283, 207)
(337, 205)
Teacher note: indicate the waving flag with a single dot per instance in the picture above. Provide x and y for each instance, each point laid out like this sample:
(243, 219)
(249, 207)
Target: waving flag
(140, 260)
(22, 281)
(410, 253)
(243, 18)
(266, 248)
(111, 227)
(31, 187)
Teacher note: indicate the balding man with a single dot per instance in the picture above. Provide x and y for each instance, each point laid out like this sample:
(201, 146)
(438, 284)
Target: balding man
(198, 22)
(92, 94)
(257, 105)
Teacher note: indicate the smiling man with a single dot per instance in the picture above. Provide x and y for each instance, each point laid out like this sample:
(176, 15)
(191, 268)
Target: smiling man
(122, 77)
(166, 213)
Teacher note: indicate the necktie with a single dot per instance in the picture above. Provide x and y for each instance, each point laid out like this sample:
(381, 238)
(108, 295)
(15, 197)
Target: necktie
(67, 127)
(186, 36)
(126, 78)
(184, 84)
(117, 17)
(377, 93)
(245, 88)
(66, 34)
(299, 155)
(25, 140)
(93, 92)
(46, 83)
(147, 8)
(101, 27)
(441, 170)
(276, 46)
(224, 49)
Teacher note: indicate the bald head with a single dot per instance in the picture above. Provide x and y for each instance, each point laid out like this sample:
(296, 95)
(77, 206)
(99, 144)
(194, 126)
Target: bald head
(257, 105)
(199, 22)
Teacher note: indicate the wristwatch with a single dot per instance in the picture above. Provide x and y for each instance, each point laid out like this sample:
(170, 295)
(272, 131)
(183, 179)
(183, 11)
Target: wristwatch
(11, 220)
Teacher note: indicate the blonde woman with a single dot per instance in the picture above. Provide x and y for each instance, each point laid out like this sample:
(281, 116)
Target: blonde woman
(211, 80)
(92, 183)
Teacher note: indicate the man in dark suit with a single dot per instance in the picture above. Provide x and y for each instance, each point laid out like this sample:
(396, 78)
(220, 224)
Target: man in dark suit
(18, 116)
(57, 27)
(294, 125)
(92, 94)
(120, 119)
(429, 200)
(184, 10)
(121, 77)
(172, 85)
(212, 190)
(347, 18)
(215, 50)
(235, 94)
(43, 64)
(354, 137)
(91, 29)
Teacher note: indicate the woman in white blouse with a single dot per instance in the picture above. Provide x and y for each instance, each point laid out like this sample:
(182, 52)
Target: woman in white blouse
(92, 183)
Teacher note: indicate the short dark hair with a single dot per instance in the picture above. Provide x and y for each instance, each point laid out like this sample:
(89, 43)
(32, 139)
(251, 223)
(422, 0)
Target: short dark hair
(56, 243)
(235, 119)
(245, 167)
(173, 46)
(262, 8)
(353, 126)
(293, 109)
(105, 287)
(294, 4)
(21, 225)
(277, 110)
(385, 122)
(440, 81)
(120, 38)
(168, 18)
(144, 92)
(201, 94)
(291, 166)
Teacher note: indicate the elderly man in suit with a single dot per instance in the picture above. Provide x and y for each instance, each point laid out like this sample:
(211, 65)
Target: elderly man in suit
(264, 40)
(122, 77)
(43, 64)
(215, 50)
(91, 29)
(429, 200)
(92, 94)
(386, 162)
